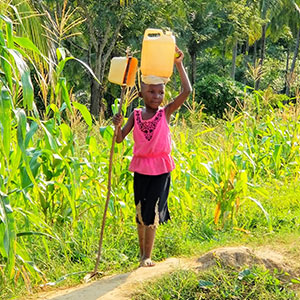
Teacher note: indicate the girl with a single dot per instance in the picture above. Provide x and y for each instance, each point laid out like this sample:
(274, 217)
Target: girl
(152, 162)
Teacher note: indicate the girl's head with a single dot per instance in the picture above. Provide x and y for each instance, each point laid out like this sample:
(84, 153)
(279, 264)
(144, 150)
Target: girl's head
(152, 94)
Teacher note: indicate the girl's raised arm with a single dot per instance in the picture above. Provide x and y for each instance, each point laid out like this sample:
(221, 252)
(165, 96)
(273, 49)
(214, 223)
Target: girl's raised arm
(186, 87)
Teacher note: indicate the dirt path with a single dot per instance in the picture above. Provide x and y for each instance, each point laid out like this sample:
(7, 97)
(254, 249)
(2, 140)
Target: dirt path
(122, 286)
(119, 286)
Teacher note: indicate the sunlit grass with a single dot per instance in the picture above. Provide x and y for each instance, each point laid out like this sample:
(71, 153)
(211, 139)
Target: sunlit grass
(218, 283)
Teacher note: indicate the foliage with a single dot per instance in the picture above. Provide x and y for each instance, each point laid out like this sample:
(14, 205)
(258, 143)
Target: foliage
(33, 169)
(216, 93)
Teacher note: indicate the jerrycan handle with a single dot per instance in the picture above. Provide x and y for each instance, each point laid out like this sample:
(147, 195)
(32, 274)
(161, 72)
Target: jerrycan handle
(154, 32)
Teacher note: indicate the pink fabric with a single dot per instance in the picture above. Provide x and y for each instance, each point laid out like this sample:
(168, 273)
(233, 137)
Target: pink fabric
(152, 145)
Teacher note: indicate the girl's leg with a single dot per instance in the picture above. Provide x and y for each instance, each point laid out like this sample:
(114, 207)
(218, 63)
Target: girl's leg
(149, 241)
(141, 234)
(148, 246)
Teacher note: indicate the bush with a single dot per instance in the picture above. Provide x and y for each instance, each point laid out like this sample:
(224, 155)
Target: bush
(217, 92)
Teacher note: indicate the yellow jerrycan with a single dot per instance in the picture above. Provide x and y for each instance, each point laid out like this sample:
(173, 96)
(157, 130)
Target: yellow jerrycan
(122, 70)
(158, 51)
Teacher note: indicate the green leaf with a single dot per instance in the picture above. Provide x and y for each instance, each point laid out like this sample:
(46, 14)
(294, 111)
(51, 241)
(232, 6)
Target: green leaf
(25, 78)
(2, 233)
(205, 284)
(50, 138)
(33, 128)
(5, 119)
(88, 68)
(17, 14)
(296, 281)
(21, 130)
(244, 274)
(84, 112)
(27, 86)
(9, 239)
(29, 233)
(61, 53)
(66, 132)
(107, 133)
(61, 66)
(65, 93)
(115, 106)
(111, 206)
(261, 207)
(9, 32)
(5, 62)
(212, 172)
(60, 279)
(27, 44)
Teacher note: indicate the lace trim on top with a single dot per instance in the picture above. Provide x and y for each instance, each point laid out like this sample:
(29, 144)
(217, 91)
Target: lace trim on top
(148, 127)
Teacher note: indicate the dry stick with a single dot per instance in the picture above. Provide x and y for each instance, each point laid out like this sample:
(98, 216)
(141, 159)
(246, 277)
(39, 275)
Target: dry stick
(108, 184)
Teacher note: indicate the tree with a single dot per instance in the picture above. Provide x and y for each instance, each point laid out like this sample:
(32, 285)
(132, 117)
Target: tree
(203, 29)
(291, 13)
(240, 17)
(267, 9)
(109, 28)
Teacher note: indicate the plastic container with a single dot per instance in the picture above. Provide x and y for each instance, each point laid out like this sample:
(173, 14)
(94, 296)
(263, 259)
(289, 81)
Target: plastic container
(158, 52)
(123, 70)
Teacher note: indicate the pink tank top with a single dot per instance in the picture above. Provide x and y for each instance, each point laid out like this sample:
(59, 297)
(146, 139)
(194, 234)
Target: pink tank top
(152, 145)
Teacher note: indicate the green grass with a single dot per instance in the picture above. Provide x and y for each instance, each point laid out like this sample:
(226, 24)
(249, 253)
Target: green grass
(218, 283)
(191, 231)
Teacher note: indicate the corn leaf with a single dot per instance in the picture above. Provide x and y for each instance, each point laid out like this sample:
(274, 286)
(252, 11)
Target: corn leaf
(25, 78)
(64, 92)
(5, 119)
(9, 239)
(84, 112)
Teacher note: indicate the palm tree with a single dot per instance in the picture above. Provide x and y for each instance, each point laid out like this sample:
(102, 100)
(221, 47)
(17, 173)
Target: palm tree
(291, 13)
(240, 15)
(267, 10)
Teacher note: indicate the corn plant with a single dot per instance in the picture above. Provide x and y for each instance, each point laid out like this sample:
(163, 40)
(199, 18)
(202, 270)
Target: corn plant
(16, 88)
(227, 175)
(40, 181)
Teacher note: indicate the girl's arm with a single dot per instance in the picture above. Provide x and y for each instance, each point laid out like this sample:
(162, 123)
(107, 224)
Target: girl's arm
(186, 87)
(122, 133)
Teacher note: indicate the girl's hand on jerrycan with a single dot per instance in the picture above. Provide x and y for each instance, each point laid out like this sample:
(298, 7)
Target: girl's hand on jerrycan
(178, 55)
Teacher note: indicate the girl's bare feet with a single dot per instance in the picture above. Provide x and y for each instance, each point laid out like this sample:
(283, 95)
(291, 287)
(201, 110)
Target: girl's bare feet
(147, 262)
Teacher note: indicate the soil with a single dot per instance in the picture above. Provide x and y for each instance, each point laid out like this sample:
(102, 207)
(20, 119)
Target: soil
(122, 286)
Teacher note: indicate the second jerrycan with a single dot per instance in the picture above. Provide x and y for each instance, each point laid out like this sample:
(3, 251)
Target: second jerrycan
(158, 52)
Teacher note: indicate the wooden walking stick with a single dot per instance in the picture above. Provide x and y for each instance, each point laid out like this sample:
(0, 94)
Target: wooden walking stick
(126, 78)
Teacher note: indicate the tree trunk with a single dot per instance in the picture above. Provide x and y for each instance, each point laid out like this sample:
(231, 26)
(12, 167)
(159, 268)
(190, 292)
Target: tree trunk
(234, 53)
(286, 72)
(290, 75)
(103, 43)
(96, 98)
(262, 55)
(245, 59)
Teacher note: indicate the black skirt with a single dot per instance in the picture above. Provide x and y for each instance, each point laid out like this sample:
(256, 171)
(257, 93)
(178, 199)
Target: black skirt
(150, 196)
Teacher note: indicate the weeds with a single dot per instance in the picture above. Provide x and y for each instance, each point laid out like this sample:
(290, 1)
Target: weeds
(254, 283)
